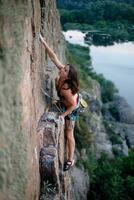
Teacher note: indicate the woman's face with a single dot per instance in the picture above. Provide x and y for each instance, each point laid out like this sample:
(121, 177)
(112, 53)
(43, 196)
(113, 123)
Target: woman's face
(64, 72)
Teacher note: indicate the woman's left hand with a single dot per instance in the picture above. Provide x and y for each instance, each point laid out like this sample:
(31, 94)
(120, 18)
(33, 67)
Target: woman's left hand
(61, 117)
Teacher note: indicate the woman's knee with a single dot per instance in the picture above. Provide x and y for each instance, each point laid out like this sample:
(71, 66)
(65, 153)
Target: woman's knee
(69, 130)
(69, 134)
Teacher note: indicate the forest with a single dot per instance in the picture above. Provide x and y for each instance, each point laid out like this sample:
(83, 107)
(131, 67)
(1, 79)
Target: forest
(114, 17)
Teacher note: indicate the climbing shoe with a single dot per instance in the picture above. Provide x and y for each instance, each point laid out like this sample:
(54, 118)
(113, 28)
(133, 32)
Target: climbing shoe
(68, 164)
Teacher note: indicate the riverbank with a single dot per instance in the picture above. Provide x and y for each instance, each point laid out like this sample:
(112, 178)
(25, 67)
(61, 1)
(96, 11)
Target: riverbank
(114, 62)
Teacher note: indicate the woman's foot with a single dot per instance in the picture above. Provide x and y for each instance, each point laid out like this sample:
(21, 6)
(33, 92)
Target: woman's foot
(68, 164)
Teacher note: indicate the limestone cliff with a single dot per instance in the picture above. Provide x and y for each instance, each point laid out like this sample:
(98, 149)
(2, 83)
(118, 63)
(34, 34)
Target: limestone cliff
(24, 69)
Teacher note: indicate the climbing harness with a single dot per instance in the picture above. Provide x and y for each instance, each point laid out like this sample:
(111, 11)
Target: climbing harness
(80, 108)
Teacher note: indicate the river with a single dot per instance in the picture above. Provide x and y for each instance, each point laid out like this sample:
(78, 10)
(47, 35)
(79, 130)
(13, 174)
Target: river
(115, 62)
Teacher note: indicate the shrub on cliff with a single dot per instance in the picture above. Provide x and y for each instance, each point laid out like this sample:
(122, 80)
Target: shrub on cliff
(108, 88)
(113, 179)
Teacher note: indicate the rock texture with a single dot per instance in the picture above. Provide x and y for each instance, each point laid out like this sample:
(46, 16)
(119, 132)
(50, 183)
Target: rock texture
(111, 125)
(24, 69)
(100, 142)
(52, 158)
(118, 119)
(80, 184)
(124, 110)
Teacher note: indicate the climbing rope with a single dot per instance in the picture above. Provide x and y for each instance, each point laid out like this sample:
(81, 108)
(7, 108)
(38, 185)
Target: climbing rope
(54, 101)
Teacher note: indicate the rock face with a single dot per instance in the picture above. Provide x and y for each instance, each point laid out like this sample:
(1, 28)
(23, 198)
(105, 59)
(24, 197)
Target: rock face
(52, 158)
(118, 119)
(124, 111)
(113, 132)
(80, 183)
(24, 69)
(100, 142)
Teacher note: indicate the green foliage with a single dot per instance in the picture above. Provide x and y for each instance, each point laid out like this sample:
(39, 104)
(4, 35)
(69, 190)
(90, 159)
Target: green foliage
(114, 137)
(129, 182)
(112, 17)
(117, 151)
(84, 3)
(83, 136)
(100, 10)
(114, 179)
(77, 26)
(128, 164)
(114, 111)
(108, 88)
(90, 163)
(47, 189)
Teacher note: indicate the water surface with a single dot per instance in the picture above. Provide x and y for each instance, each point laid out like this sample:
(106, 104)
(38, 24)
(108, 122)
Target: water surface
(115, 62)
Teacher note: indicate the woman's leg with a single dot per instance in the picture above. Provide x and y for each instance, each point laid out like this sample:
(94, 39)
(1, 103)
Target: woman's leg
(69, 133)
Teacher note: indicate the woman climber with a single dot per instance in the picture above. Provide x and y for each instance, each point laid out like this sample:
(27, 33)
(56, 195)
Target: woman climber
(67, 86)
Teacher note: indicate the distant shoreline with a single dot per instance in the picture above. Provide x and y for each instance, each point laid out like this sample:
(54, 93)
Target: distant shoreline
(78, 38)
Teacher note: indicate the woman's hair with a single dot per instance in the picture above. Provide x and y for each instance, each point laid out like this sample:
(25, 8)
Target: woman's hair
(73, 80)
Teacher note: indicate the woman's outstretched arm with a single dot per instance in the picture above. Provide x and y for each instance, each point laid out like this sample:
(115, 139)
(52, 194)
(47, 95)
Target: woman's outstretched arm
(51, 54)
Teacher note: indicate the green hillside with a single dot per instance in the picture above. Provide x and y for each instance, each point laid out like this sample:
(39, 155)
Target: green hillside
(108, 16)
